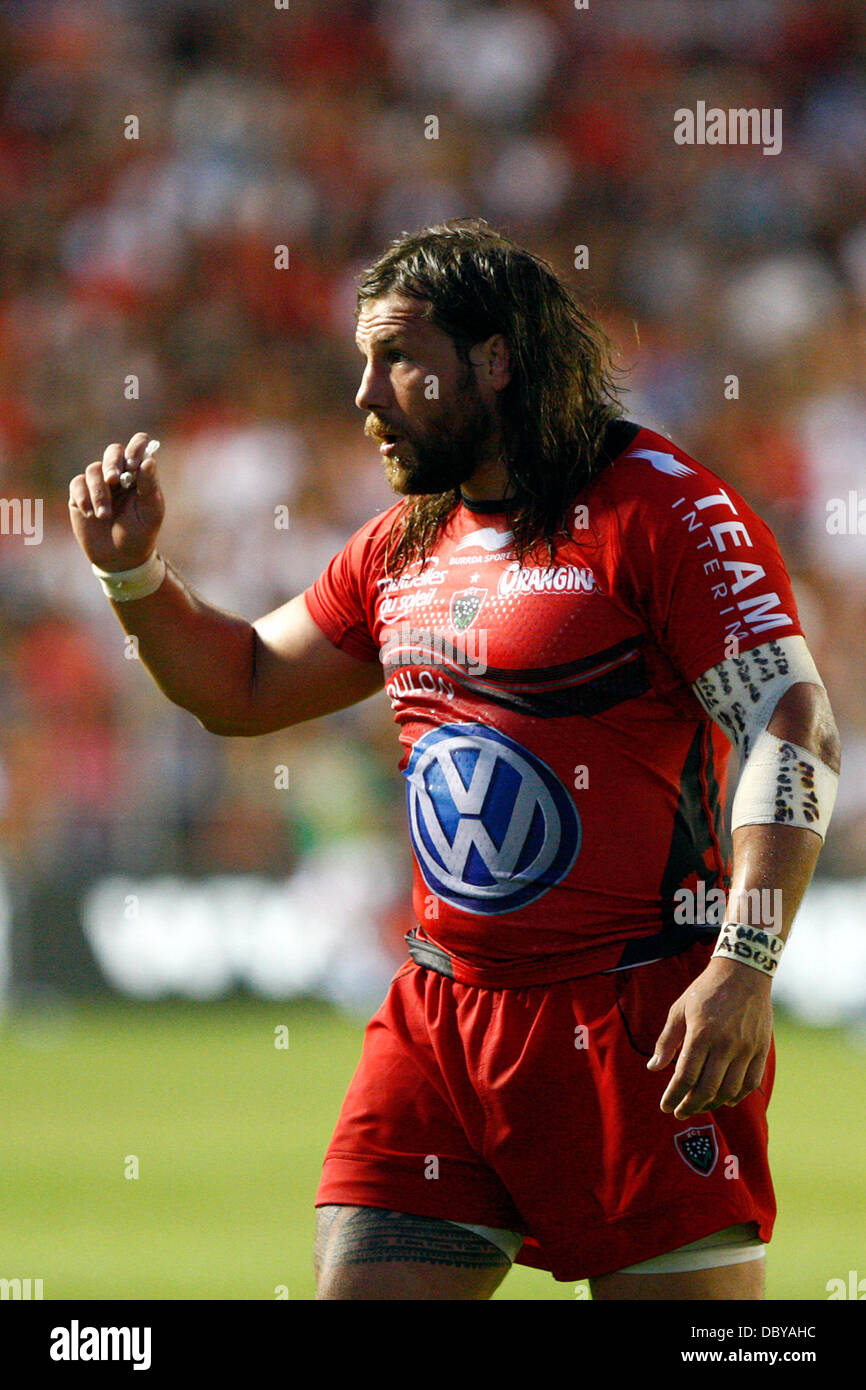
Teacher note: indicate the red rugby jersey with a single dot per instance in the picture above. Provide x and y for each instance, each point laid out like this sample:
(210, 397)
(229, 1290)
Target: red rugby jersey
(562, 780)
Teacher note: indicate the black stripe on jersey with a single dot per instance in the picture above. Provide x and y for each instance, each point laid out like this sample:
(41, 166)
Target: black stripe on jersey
(587, 686)
(569, 672)
(698, 834)
(589, 697)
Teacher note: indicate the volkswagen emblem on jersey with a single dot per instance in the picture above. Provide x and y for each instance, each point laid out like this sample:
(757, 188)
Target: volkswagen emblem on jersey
(465, 607)
(492, 826)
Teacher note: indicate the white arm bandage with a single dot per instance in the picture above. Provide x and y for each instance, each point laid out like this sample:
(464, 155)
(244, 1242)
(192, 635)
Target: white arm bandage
(780, 782)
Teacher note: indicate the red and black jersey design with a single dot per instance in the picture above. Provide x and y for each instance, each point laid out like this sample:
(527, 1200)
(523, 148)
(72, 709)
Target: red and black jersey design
(562, 780)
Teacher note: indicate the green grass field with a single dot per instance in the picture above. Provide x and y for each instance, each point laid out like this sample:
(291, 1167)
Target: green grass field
(229, 1130)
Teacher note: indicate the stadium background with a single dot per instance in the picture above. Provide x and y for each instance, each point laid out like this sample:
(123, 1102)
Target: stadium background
(167, 904)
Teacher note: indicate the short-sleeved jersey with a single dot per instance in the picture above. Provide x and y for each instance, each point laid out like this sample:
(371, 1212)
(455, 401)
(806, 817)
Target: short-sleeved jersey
(563, 782)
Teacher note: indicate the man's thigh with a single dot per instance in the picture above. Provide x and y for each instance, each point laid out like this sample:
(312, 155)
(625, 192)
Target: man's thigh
(371, 1254)
(742, 1282)
(729, 1264)
(368, 1253)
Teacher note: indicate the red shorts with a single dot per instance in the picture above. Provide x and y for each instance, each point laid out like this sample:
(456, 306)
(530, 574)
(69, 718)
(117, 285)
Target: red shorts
(532, 1109)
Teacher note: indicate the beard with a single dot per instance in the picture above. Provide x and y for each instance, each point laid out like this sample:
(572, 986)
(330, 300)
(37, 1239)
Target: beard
(446, 452)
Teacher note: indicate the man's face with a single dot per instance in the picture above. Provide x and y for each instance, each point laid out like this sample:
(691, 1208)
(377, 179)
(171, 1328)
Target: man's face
(423, 401)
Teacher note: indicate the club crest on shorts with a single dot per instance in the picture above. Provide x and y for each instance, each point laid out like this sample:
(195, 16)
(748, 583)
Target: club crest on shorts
(699, 1149)
(465, 607)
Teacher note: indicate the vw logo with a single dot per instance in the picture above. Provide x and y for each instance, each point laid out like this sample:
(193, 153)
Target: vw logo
(492, 826)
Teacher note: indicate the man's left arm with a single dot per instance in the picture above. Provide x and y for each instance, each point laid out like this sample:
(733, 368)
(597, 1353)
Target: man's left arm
(722, 1025)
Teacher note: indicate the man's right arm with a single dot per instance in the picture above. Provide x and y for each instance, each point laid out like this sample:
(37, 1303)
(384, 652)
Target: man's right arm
(236, 677)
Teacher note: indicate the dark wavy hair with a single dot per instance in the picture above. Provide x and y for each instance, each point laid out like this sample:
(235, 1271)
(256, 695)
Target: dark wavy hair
(561, 397)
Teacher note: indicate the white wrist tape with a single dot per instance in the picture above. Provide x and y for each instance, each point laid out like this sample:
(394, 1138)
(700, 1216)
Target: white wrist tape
(750, 946)
(123, 585)
(780, 782)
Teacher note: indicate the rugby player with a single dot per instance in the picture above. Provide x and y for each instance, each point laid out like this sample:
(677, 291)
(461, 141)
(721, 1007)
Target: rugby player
(575, 623)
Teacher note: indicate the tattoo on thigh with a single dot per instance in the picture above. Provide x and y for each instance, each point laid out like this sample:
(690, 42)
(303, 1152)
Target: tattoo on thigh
(366, 1235)
(325, 1219)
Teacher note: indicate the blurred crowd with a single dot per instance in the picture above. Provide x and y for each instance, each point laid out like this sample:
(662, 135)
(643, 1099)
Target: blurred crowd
(154, 154)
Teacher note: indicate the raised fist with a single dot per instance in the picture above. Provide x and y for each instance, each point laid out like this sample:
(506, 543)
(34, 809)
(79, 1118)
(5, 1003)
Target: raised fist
(116, 523)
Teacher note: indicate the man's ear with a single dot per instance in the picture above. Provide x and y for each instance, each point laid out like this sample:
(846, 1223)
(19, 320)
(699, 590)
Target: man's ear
(492, 362)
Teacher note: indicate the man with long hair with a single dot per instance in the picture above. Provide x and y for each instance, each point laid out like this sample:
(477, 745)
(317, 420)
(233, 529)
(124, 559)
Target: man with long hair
(575, 622)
